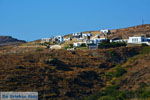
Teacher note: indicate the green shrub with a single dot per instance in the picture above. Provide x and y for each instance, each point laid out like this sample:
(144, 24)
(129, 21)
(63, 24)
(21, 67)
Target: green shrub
(144, 91)
(93, 97)
(144, 44)
(145, 50)
(46, 43)
(145, 94)
(83, 45)
(69, 46)
(107, 98)
(111, 90)
(119, 71)
(109, 75)
(121, 95)
(39, 49)
(105, 45)
(113, 57)
(113, 93)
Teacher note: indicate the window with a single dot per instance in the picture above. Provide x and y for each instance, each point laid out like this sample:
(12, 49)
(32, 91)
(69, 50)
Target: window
(135, 40)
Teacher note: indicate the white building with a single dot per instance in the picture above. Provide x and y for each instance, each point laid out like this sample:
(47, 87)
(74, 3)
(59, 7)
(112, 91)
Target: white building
(77, 35)
(87, 35)
(67, 39)
(43, 40)
(118, 40)
(105, 31)
(139, 40)
(59, 39)
(78, 44)
(97, 41)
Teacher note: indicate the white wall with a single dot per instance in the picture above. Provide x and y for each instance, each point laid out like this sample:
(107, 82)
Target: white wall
(135, 39)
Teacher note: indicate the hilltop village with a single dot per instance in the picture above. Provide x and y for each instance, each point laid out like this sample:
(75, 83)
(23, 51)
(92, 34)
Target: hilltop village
(88, 40)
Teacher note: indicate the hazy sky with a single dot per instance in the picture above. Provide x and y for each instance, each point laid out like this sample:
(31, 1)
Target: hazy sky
(35, 19)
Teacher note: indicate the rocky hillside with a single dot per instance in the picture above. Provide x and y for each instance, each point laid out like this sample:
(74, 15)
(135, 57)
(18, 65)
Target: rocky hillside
(74, 75)
(8, 40)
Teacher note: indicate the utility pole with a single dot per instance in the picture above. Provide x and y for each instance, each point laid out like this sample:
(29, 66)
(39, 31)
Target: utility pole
(142, 21)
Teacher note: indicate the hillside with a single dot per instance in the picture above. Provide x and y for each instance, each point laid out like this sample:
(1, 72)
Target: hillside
(72, 75)
(133, 83)
(126, 32)
(8, 40)
(138, 74)
(120, 73)
(131, 31)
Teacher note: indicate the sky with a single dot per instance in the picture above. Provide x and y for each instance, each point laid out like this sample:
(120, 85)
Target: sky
(34, 19)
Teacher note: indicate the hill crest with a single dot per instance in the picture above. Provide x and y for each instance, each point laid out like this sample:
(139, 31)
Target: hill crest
(8, 40)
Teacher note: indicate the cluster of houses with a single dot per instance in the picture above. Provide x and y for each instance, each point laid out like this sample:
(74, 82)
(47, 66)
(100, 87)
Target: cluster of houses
(92, 41)
(57, 39)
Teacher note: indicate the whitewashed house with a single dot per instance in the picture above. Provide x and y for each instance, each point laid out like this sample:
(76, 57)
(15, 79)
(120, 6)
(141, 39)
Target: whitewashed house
(67, 39)
(77, 35)
(97, 41)
(43, 40)
(118, 40)
(86, 35)
(138, 40)
(59, 39)
(105, 31)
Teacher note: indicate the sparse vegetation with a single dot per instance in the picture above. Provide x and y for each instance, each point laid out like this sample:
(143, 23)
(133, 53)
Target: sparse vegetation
(113, 93)
(39, 49)
(69, 46)
(74, 75)
(83, 45)
(145, 50)
(105, 45)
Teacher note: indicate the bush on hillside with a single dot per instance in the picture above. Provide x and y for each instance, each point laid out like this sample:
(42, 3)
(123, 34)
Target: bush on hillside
(39, 49)
(83, 45)
(113, 93)
(105, 45)
(69, 46)
(144, 45)
(107, 98)
(145, 50)
(60, 65)
(119, 71)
